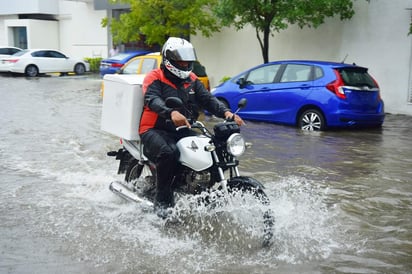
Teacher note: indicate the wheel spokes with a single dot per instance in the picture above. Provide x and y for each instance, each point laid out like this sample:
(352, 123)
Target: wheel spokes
(311, 122)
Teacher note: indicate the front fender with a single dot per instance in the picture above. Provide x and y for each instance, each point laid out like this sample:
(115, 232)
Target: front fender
(244, 183)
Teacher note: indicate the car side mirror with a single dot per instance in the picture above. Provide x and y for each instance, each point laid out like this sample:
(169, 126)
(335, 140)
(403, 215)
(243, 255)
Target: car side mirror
(242, 82)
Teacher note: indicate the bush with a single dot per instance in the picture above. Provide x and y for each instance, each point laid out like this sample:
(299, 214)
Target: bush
(94, 63)
(224, 79)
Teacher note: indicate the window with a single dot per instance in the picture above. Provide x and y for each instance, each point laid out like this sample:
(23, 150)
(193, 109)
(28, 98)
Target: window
(40, 53)
(55, 54)
(318, 73)
(148, 65)
(357, 78)
(263, 75)
(8, 51)
(132, 67)
(296, 73)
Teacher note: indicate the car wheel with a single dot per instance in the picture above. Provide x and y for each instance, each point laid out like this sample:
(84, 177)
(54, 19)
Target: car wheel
(79, 69)
(31, 71)
(311, 120)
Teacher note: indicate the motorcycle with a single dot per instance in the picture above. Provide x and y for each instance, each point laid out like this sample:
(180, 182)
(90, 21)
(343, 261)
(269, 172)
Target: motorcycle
(205, 158)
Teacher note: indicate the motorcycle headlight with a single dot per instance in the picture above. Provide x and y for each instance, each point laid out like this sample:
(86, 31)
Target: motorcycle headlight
(236, 144)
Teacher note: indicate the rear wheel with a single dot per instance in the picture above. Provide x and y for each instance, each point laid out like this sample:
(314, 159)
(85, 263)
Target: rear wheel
(31, 71)
(252, 186)
(312, 120)
(143, 178)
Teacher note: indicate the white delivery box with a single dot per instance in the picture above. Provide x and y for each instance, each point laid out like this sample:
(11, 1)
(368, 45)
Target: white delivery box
(122, 105)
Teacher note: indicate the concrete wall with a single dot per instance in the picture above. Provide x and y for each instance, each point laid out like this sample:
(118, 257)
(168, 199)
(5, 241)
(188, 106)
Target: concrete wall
(4, 38)
(376, 37)
(28, 6)
(76, 31)
(37, 37)
(81, 34)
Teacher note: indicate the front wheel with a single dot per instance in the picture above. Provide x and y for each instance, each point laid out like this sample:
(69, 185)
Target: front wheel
(79, 69)
(252, 186)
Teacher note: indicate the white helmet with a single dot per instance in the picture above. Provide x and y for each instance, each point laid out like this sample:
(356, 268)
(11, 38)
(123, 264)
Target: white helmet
(178, 49)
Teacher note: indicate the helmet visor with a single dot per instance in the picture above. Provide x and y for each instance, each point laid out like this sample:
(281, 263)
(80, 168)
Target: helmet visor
(181, 54)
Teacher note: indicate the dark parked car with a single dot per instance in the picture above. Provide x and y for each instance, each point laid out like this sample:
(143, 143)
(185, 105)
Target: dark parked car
(112, 64)
(312, 95)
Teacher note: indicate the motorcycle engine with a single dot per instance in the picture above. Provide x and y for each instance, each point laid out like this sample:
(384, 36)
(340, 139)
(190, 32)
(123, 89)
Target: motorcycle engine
(197, 182)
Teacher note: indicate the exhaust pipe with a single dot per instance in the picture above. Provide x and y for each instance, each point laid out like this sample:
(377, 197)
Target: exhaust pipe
(126, 193)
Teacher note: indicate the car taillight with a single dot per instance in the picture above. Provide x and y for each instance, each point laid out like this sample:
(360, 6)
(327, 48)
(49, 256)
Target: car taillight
(336, 86)
(12, 60)
(379, 91)
(116, 65)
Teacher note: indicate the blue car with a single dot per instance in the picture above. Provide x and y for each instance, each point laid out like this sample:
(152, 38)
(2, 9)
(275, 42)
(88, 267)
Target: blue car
(112, 64)
(312, 95)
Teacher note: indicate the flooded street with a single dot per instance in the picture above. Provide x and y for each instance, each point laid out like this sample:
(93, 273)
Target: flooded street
(342, 200)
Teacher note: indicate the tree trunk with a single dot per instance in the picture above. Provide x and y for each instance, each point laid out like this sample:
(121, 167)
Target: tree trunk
(264, 45)
(265, 49)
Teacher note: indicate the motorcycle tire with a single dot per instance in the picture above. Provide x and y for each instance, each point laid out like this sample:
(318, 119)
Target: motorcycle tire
(251, 185)
(143, 178)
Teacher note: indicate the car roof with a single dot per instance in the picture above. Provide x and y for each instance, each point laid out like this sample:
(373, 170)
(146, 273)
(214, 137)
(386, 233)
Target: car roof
(9, 47)
(41, 49)
(125, 55)
(317, 62)
(34, 50)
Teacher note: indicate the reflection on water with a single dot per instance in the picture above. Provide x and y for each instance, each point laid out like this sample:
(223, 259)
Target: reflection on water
(342, 199)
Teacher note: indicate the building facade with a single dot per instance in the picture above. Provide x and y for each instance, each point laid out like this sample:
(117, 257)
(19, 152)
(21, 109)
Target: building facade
(376, 37)
(73, 27)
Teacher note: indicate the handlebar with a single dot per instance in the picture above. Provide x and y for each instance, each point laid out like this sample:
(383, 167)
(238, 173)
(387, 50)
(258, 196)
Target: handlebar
(181, 127)
(196, 124)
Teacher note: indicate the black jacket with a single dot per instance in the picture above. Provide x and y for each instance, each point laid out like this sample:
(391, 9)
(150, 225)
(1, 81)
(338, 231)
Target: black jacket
(160, 84)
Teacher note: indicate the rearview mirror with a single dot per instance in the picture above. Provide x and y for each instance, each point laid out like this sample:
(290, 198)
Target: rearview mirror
(241, 82)
(242, 103)
(174, 102)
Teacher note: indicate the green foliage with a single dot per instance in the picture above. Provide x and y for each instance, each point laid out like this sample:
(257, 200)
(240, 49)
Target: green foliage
(224, 79)
(159, 19)
(269, 16)
(279, 14)
(94, 63)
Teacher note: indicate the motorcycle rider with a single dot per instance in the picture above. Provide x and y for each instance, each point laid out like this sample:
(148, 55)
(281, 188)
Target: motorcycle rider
(158, 124)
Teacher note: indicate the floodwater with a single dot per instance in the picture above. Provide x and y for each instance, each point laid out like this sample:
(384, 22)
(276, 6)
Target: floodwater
(342, 200)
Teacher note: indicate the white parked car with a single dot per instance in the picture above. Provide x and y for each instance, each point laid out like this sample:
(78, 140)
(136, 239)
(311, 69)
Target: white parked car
(32, 62)
(8, 50)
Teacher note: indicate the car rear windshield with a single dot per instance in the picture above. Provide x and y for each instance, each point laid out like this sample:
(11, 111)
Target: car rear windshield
(20, 53)
(357, 77)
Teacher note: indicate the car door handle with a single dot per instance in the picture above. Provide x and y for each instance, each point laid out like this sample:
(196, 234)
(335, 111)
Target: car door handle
(264, 89)
(305, 86)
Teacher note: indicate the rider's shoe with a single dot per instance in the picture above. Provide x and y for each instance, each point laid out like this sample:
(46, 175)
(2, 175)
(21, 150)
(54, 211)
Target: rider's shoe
(162, 210)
